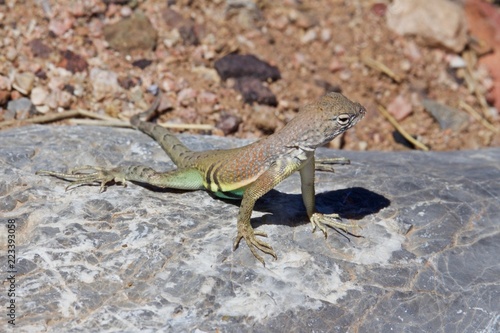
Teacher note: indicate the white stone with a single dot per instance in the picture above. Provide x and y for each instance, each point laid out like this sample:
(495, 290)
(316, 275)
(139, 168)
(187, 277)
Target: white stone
(438, 22)
(38, 95)
(104, 83)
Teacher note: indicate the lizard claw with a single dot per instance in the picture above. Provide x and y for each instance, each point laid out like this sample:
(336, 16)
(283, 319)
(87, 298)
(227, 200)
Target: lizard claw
(331, 220)
(253, 243)
(88, 175)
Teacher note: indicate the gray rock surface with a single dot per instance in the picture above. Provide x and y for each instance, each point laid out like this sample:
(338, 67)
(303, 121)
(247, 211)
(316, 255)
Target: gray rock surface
(134, 258)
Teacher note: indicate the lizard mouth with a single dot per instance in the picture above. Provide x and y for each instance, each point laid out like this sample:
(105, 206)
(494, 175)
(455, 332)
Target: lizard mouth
(360, 115)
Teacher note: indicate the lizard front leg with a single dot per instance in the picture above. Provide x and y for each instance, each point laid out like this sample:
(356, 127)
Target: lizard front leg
(183, 179)
(266, 182)
(318, 220)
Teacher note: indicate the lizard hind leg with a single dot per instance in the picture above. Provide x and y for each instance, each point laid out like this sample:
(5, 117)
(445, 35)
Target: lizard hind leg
(88, 175)
(182, 179)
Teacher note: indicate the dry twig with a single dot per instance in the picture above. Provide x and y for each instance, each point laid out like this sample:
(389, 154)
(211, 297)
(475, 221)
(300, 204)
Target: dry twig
(47, 118)
(378, 66)
(478, 117)
(405, 134)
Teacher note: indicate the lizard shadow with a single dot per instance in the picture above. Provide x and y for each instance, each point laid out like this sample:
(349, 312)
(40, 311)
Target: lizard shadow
(288, 209)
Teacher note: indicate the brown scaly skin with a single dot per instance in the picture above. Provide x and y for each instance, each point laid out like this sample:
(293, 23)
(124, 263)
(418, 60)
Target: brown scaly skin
(248, 172)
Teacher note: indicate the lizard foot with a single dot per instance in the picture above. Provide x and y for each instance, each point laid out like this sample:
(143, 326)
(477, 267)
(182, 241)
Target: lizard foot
(331, 220)
(253, 243)
(88, 175)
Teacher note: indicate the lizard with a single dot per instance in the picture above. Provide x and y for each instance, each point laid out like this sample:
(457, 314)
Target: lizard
(245, 173)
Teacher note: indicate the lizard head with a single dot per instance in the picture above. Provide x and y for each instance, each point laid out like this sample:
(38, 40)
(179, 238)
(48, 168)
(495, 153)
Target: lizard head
(319, 122)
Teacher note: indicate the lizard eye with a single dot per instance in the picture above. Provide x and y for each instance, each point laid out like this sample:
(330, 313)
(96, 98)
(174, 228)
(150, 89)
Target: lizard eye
(343, 119)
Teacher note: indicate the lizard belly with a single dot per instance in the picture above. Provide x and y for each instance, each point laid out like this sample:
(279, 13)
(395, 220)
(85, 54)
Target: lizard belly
(229, 190)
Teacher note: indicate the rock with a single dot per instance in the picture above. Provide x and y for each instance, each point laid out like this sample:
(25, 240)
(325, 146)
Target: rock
(181, 28)
(400, 107)
(142, 63)
(133, 33)
(172, 38)
(186, 96)
(104, 83)
(61, 26)
(38, 95)
(253, 90)
(162, 260)
(172, 18)
(309, 36)
(326, 35)
(207, 98)
(438, 22)
(6, 114)
(64, 99)
(484, 23)
(206, 73)
(5, 83)
(248, 12)
(228, 123)
(188, 34)
(22, 108)
(11, 53)
(39, 49)
(4, 97)
(23, 82)
(455, 61)
(302, 19)
(264, 118)
(447, 117)
(127, 82)
(379, 9)
(72, 62)
(236, 65)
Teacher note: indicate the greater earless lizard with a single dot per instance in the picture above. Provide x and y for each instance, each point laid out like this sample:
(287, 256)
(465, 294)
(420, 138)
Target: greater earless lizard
(245, 173)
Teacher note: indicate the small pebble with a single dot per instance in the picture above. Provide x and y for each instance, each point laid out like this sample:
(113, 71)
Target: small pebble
(253, 90)
(456, 61)
(104, 83)
(265, 119)
(345, 75)
(326, 35)
(400, 107)
(4, 97)
(64, 99)
(72, 62)
(236, 65)
(186, 96)
(38, 95)
(447, 117)
(405, 65)
(5, 83)
(125, 11)
(335, 65)
(39, 49)
(228, 123)
(208, 98)
(60, 26)
(309, 36)
(22, 108)
(11, 53)
(23, 82)
(379, 9)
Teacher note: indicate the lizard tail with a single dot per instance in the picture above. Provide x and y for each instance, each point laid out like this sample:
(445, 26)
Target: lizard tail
(177, 151)
(146, 115)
